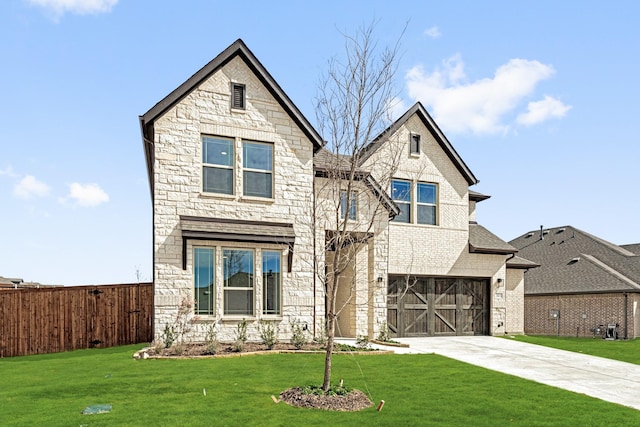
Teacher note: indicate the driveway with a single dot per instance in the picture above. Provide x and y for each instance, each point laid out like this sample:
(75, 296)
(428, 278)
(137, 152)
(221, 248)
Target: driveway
(606, 379)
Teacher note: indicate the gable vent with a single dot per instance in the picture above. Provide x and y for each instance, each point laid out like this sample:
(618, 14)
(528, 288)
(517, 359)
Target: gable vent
(238, 96)
(414, 144)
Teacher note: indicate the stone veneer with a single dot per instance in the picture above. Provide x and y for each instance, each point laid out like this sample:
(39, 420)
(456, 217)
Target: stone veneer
(178, 191)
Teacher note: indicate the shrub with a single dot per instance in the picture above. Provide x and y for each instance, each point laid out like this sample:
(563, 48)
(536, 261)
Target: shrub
(298, 335)
(211, 339)
(268, 333)
(362, 342)
(383, 335)
(240, 336)
(168, 336)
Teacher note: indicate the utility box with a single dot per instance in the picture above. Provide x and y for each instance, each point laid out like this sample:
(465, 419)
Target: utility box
(554, 314)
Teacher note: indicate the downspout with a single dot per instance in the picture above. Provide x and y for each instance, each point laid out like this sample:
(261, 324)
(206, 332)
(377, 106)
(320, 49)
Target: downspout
(315, 262)
(626, 315)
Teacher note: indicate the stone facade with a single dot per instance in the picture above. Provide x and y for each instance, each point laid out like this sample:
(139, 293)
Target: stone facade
(305, 202)
(178, 191)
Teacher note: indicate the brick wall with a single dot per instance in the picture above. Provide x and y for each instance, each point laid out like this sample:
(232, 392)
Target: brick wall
(580, 313)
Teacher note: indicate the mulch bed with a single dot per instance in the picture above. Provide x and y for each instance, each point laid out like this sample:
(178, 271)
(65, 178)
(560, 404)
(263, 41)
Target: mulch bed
(354, 401)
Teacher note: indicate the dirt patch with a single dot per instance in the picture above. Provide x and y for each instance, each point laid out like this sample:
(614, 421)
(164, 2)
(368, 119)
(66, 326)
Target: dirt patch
(354, 401)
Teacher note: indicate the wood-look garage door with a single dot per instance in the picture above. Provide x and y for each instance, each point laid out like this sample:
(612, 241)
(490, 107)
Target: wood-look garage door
(437, 306)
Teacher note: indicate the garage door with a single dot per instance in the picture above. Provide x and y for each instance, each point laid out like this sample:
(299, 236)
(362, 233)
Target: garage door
(428, 306)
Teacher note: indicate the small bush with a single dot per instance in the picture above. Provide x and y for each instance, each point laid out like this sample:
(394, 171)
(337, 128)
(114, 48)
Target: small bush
(240, 336)
(168, 336)
(211, 339)
(383, 335)
(298, 335)
(268, 333)
(321, 336)
(362, 342)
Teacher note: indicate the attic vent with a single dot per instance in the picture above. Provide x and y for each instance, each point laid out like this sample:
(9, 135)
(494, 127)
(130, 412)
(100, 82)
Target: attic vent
(545, 232)
(573, 260)
(528, 235)
(237, 95)
(560, 230)
(414, 144)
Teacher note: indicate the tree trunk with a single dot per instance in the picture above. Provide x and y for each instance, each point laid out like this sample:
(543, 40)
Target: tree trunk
(326, 383)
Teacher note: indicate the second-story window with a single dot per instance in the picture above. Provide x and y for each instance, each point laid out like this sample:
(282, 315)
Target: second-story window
(217, 165)
(258, 169)
(352, 208)
(426, 204)
(401, 195)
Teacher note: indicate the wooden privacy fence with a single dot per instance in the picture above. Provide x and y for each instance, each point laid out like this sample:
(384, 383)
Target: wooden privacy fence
(49, 320)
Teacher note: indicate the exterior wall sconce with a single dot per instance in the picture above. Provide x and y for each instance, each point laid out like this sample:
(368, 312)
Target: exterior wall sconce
(499, 280)
(380, 279)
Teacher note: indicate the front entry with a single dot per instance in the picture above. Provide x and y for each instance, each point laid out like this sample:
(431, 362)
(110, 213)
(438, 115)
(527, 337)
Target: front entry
(433, 306)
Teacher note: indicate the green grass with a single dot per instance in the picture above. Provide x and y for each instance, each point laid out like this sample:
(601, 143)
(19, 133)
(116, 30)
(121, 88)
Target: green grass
(430, 390)
(623, 350)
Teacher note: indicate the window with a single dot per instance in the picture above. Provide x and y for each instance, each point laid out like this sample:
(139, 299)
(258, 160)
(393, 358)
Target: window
(414, 144)
(353, 209)
(401, 195)
(238, 96)
(203, 280)
(217, 165)
(426, 204)
(271, 283)
(238, 281)
(258, 169)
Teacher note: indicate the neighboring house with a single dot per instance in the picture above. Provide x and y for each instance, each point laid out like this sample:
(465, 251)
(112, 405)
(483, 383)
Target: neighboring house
(239, 184)
(583, 285)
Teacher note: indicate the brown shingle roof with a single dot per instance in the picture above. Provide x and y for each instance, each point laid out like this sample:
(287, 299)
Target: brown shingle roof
(483, 241)
(573, 261)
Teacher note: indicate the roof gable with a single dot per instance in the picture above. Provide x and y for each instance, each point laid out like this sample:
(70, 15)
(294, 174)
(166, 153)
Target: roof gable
(236, 49)
(433, 128)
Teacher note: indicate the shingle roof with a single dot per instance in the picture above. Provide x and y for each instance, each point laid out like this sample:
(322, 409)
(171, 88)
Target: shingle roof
(520, 263)
(483, 241)
(573, 261)
(477, 197)
(635, 248)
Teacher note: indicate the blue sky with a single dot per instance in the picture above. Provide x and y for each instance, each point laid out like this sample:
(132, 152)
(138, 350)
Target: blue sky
(539, 98)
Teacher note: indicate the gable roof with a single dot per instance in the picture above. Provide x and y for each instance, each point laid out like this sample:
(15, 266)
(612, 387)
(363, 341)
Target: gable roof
(483, 241)
(326, 164)
(236, 49)
(573, 261)
(431, 125)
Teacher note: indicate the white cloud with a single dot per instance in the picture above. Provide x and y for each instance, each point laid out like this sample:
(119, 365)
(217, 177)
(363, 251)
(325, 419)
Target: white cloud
(481, 106)
(540, 111)
(29, 187)
(433, 32)
(87, 194)
(78, 7)
(8, 171)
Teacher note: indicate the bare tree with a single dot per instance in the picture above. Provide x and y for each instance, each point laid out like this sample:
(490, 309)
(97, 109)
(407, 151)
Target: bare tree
(353, 107)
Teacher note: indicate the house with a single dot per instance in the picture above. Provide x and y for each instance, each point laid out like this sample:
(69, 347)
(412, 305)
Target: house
(244, 208)
(584, 284)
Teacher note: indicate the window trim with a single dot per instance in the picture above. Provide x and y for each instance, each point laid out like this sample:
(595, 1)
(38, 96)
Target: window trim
(218, 166)
(353, 211)
(400, 203)
(264, 310)
(435, 204)
(251, 288)
(238, 87)
(212, 285)
(253, 170)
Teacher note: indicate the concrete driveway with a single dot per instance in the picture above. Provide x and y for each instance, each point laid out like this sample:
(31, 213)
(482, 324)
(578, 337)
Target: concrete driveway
(606, 379)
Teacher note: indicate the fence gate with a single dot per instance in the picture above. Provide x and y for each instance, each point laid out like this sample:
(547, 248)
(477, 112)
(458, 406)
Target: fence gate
(437, 306)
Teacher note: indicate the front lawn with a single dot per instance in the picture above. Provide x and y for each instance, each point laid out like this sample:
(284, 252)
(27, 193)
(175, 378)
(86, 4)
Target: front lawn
(52, 390)
(623, 350)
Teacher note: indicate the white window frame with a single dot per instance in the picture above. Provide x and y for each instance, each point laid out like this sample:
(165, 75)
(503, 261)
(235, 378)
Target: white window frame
(435, 204)
(226, 289)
